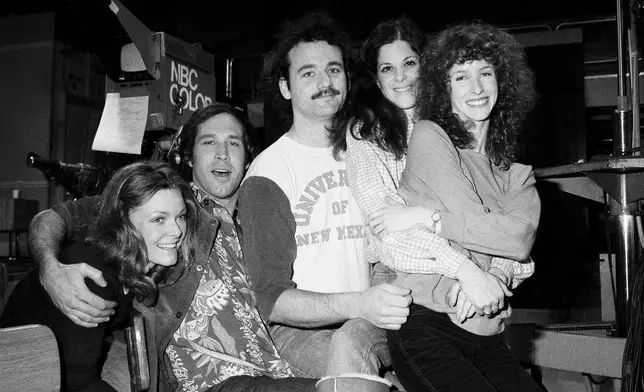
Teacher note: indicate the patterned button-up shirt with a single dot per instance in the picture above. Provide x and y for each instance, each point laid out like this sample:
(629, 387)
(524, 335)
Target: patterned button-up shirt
(223, 334)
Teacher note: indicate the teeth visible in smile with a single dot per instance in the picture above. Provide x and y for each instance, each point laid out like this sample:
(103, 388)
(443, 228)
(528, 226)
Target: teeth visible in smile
(402, 89)
(167, 246)
(477, 102)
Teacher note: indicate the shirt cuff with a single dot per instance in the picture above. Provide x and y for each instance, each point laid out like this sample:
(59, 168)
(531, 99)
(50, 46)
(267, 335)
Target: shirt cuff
(504, 266)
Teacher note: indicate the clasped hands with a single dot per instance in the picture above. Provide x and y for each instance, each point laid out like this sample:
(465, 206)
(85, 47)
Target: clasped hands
(476, 291)
(484, 295)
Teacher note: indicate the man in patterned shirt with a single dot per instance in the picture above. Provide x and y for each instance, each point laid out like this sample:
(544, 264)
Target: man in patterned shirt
(205, 332)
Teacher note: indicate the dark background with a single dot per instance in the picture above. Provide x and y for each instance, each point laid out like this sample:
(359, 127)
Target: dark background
(571, 233)
(219, 25)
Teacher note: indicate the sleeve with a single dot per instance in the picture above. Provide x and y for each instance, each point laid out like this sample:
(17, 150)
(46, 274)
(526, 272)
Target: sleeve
(434, 175)
(411, 251)
(77, 214)
(268, 244)
(516, 272)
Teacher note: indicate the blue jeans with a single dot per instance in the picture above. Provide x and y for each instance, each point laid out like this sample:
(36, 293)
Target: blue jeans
(356, 347)
(431, 353)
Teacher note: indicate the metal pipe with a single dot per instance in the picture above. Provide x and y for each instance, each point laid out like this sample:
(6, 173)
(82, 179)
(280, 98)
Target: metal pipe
(621, 85)
(633, 52)
(528, 27)
(622, 212)
(605, 61)
(229, 77)
(568, 24)
(627, 252)
(622, 135)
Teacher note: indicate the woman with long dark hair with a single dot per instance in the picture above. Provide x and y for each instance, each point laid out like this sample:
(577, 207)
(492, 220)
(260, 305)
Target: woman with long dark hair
(142, 238)
(467, 279)
(378, 119)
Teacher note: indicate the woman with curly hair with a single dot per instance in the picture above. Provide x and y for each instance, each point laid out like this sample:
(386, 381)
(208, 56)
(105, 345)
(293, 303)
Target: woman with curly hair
(461, 181)
(142, 238)
(378, 121)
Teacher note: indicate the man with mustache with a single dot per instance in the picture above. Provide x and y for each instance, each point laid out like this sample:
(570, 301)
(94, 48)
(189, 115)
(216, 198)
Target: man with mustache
(303, 239)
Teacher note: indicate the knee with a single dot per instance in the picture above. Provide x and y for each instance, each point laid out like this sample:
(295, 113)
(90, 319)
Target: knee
(356, 333)
(358, 347)
(359, 338)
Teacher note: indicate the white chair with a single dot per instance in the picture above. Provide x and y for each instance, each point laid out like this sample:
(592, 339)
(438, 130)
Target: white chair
(29, 359)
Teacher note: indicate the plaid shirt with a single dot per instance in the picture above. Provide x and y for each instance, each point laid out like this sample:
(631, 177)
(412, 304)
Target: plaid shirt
(374, 176)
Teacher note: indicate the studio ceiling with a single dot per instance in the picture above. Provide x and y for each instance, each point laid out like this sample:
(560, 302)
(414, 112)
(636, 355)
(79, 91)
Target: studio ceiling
(216, 24)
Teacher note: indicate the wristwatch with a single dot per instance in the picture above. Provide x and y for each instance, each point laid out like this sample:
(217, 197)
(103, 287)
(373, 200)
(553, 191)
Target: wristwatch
(436, 218)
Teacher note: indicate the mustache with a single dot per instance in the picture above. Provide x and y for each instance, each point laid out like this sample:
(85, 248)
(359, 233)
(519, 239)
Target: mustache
(329, 91)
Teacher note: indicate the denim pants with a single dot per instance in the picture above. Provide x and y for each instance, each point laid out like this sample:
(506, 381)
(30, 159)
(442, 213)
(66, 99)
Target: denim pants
(431, 353)
(356, 347)
(265, 384)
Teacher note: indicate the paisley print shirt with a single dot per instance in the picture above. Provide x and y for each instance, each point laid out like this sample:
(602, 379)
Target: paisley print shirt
(223, 334)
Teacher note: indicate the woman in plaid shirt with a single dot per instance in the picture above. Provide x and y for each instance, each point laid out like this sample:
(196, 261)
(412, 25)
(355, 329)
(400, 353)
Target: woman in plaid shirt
(462, 184)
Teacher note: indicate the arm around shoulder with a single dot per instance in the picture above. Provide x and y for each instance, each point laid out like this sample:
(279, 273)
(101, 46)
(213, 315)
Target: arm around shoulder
(65, 283)
(46, 234)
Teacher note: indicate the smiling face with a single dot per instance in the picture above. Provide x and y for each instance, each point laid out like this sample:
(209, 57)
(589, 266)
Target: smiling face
(398, 67)
(219, 158)
(161, 222)
(474, 90)
(317, 82)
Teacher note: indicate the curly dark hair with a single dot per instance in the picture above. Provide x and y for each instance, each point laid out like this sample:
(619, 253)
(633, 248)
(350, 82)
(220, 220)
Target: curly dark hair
(313, 27)
(113, 232)
(516, 92)
(367, 110)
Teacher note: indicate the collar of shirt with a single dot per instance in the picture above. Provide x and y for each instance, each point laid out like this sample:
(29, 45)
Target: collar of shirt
(209, 204)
